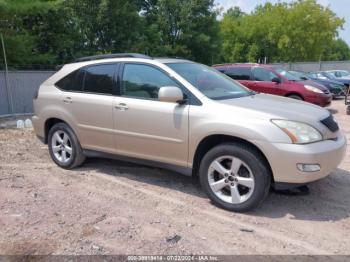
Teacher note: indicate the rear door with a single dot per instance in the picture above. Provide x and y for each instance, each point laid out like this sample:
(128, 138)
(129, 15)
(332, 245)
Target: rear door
(88, 104)
(263, 81)
(241, 74)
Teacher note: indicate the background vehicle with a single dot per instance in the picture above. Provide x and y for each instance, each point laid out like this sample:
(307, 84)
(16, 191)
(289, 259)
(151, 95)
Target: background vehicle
(339, 73)
(347, 101)
(266, 79)
(187, 117)
(327, 76)
(336, 88)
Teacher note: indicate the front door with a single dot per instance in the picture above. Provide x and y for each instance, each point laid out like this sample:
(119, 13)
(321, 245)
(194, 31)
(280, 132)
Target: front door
(263, 82)
(145, 127)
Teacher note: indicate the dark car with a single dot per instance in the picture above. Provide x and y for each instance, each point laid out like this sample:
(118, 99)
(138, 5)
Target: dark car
(335, 87)
(328, 76)
(267, 79)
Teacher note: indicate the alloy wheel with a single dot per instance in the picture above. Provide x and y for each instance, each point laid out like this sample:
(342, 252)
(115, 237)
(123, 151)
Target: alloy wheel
(231, 179)
(61, 146)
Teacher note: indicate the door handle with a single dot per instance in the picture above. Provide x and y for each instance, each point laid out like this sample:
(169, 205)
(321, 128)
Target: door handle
(67, 100)
(122, 107)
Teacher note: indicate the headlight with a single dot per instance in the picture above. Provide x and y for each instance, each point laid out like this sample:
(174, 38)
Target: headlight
(313, 89)
(299, 133)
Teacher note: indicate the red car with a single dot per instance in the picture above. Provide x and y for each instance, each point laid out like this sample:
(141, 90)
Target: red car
(267, 79)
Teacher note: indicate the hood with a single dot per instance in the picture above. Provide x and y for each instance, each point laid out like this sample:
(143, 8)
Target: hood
(314, 84)
(328, 82)
(277, 107)
(343, 80)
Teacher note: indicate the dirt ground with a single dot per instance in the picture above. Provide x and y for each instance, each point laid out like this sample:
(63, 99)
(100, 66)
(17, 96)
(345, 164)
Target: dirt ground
(112, 207)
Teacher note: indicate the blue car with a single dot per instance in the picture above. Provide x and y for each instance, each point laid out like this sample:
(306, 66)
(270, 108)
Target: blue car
(324, 75)
(335, 87)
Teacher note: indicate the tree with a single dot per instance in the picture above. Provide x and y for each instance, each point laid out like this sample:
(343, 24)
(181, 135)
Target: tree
(337, 50)
(185, 28)
(17, 22)
(296, 31)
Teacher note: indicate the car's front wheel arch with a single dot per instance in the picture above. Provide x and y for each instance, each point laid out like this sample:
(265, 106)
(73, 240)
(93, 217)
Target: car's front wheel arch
(211, 141)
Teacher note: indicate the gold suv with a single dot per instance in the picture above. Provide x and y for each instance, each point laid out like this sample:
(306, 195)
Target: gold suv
(187, 117)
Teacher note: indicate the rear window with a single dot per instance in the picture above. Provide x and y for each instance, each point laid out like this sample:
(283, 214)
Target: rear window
(93, 79)
(239, 73)
(72, 82)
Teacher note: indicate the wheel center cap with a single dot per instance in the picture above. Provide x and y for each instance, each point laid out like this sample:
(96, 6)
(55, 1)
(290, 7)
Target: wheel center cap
(232, 179)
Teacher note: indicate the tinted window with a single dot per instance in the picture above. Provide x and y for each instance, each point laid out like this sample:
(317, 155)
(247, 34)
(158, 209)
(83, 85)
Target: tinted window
(209, 81)
(288, 75)
(72, 82)
(99, 79)
(261, 74)
(239, 73)
(144, 81)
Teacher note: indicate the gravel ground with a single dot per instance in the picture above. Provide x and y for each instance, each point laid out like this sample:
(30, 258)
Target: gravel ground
(112, 207)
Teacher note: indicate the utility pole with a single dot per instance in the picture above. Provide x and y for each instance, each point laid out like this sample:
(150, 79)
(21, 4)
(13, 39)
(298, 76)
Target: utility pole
(7, 83)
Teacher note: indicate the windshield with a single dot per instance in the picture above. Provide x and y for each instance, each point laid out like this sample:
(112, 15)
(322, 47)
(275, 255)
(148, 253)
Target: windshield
(344, 73)
(300, 75)
(328, 75)
(287, 75)
(338, 73)
(209, 81)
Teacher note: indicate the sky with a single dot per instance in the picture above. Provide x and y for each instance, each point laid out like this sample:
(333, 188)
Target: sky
(340, 7)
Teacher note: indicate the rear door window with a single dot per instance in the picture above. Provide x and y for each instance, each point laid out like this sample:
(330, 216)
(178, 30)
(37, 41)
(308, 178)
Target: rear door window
(239, 73)
(99, 79)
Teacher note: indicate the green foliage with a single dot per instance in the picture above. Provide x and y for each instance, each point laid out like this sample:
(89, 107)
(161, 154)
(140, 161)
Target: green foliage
(297, 31)
(45, 33)
(337, 50)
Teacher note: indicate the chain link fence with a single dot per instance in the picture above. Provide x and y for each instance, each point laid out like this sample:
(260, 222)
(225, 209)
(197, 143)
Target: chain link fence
(17, 89)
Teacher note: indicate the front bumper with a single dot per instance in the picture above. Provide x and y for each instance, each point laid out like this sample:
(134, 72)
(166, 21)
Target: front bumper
(322, 100)
(283, 159)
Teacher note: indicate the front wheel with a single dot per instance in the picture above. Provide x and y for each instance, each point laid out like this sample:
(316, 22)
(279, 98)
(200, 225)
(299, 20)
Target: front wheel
(235, 177)
(294, 96)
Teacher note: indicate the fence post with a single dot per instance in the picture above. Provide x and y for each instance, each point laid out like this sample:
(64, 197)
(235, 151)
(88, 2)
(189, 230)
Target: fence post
(7, 83)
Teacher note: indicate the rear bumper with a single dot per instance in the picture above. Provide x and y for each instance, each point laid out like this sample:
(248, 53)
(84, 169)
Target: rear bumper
(283, 159)
(38, 127)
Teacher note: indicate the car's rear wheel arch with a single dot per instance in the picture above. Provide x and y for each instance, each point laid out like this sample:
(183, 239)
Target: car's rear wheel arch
(49, 123)
(211, 141)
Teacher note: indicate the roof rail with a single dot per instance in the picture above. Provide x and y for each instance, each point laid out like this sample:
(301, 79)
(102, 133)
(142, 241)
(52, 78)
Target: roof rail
(107, 56)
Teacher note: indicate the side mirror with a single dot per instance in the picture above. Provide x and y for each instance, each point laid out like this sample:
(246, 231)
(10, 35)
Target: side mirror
(170, 94)
(304, 78)
(276, 80)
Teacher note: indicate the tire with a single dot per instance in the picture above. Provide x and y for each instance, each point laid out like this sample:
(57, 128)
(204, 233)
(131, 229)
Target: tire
(251, 166)
(294, 96)
(66, 150)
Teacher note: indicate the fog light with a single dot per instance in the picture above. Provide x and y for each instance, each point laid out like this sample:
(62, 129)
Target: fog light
(309, 167)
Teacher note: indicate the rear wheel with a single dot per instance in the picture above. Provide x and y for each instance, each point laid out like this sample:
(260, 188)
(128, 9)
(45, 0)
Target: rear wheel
(64, 147)
(235, 177)
(294, 96)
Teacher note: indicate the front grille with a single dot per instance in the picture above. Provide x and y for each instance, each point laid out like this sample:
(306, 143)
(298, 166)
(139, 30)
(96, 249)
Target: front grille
(330, 123)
